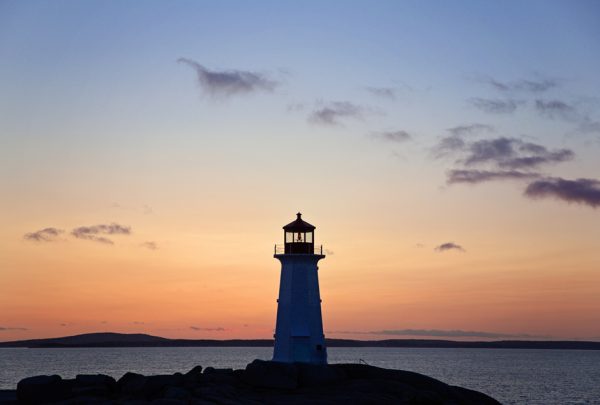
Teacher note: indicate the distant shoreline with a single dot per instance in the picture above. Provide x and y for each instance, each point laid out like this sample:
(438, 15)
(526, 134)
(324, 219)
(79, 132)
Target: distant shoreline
(91, 340)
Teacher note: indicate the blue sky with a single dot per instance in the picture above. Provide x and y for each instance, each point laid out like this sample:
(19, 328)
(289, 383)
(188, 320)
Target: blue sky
(348, 110)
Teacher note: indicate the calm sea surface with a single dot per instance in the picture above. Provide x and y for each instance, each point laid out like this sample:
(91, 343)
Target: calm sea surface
(511, 376)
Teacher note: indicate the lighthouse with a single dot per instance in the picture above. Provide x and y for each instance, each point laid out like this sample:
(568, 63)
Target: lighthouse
(299, 331)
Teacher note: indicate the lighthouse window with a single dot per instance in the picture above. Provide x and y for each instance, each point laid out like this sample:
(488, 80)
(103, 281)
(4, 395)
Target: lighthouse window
(309, 237)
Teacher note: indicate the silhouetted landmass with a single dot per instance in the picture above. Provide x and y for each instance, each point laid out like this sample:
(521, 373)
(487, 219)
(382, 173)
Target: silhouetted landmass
(261, 382)
(143, 340)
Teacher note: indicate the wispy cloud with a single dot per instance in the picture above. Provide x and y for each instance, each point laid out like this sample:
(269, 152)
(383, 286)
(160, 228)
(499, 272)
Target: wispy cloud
(580, 191)
(587, 126)
(470, 129)
(453, 333)
(480, 176)
(149, 245)
(6, 328)
(501, 152)
(44, 235)
(229, 82)
(494, 106)
(514, 153)
(556, 109)
(382, 92)
(93, 232)
(334, 112)
(444, 247)
(448, 145)
(217, 329)
(525, 85)
(393, 136)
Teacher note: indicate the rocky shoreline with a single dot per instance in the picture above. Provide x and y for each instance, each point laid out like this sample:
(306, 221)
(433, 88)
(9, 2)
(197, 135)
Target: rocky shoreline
(262, 382)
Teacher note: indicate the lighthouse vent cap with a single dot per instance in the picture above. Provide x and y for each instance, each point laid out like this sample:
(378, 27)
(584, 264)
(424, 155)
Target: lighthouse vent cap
(299, 225)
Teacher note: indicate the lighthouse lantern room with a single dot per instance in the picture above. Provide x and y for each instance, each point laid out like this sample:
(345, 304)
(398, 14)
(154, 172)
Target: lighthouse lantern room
(299, 329)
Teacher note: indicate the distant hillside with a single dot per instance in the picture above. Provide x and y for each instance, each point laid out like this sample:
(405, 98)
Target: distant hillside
(141, 340)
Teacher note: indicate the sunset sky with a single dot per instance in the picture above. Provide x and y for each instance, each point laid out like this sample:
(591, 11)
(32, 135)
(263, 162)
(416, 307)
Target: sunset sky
(447, 152)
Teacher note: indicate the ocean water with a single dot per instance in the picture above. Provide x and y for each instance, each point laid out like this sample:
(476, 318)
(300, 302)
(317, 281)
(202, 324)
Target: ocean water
(511, 376)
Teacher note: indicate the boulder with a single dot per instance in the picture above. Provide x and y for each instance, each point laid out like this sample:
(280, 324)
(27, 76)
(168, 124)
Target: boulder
(94, 385)
(156, 384)
(311, 375)
(94, 380)
(195, 372)
(176, 393)
(271, 374)
(193, 377)
(41, 389)
(131, 384)
(164, 401)
(220, 375)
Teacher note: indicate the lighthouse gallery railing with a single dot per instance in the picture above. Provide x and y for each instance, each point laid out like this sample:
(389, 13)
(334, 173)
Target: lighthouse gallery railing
(316, 250)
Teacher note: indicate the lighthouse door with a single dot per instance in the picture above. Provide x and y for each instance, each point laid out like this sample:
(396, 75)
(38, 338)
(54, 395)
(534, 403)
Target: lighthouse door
(301, 348)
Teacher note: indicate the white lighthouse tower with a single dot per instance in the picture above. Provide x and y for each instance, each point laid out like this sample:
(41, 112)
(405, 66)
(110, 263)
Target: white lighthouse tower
(299, 332)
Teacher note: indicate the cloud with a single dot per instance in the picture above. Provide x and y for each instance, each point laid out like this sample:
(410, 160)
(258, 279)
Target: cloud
(494, 106)
(480, 176)
(454, 333)
(138, 323)
(587, 126)
(294, 107)
(448, 145)
(382, 92)
(217, 329)
(92, 232)
(471, 129)
(556, 109)
(513, 153)
(444, 247)
(5, 328)
(527, 85)
(149, 245)
(229, 82)
(334, 111)
(581, 191)
(449, 333)
(393, 136)
(44, 235)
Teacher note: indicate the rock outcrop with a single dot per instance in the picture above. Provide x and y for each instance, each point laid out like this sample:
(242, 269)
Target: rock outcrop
(262, 382)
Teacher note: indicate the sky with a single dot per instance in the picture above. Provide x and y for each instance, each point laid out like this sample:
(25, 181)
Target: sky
(447, 152)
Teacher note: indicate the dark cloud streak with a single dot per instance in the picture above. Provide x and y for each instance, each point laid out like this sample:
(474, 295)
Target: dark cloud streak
(494, 106)
(481, 176)
(471, 129)
(526, 85)
(229, 82)
(580, 191)
(444, 247)
(44, 235)
(93, 232)
(217, 329)
(382, 92)
(332, 113)
(393, 136)
(556, 109)
(514, 153)
(454, 333)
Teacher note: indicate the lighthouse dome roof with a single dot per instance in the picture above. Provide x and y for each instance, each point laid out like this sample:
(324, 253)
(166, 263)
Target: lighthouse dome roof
(299, 225)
